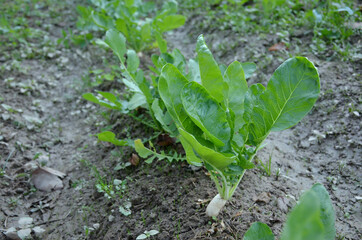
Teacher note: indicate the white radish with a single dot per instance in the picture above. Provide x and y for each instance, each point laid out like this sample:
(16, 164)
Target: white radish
(215, 206)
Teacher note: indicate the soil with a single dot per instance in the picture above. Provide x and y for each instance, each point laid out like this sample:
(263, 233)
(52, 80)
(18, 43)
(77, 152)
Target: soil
(169, 197)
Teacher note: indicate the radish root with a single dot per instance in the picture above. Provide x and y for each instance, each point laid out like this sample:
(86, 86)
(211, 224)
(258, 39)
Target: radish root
(215, 206)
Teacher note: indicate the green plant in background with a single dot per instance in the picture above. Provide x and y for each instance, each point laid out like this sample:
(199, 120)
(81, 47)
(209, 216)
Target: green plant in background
(222, 123)
(329, 22)
(312, 218)
(144, 93)
(139, 21)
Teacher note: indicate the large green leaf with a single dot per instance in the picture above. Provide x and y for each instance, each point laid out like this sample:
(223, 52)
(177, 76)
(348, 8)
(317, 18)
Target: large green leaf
(313, 218)
(237, 87)
(290, 95)
(117, 43)
(259, 231)
(206, 113)
(169, 86)
(211, 76)
(214, 158)
(327, 213)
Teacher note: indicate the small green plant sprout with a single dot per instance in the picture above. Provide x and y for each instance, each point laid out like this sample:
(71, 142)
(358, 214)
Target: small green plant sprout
(222, 122)
(147, 234)
(312, 218)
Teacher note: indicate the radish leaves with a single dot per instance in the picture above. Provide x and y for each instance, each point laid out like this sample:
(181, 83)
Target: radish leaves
(224, 121)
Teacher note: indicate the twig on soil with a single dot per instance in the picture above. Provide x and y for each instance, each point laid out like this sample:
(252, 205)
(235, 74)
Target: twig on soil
(9, 156)
(54, 220)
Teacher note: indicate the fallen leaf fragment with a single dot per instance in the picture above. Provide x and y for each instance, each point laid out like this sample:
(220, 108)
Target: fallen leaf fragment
(165, 140)
(134, 159)
(278, 47)
(47, 179)
(203, 201)
(239, 213)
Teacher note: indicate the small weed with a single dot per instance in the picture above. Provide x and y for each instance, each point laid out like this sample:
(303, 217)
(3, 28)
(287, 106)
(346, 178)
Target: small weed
(265, 168)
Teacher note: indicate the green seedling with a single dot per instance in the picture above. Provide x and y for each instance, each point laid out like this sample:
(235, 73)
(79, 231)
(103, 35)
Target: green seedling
(147, 234)
(222, 122)
(312, 218)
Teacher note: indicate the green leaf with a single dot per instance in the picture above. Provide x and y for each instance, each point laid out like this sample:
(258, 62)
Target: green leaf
(211, 76)
(170, 22)
(327, 214)
(162, 43)
(190, 154)
(141, 237)
(116, 41)
(133, 61)
(137, 100)
(313, 218)
(152, 232)
(90, 97)
(102, 20)
(214, 158)
(237, 87)
(110, 97)
(249, 68)
(290, 95)
(141, 149)
(146, 33)
(194, 71)
(121, 26)
(169, 86)
(259, 231)
(111, 137)
(163, 119)
(206, 113)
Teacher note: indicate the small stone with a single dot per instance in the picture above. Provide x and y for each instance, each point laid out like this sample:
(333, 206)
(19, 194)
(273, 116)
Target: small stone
(96, 225)
(110, 218)
(304, 144)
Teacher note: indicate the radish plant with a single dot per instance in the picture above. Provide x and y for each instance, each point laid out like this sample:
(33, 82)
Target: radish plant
(312, 218)
(222, 122)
